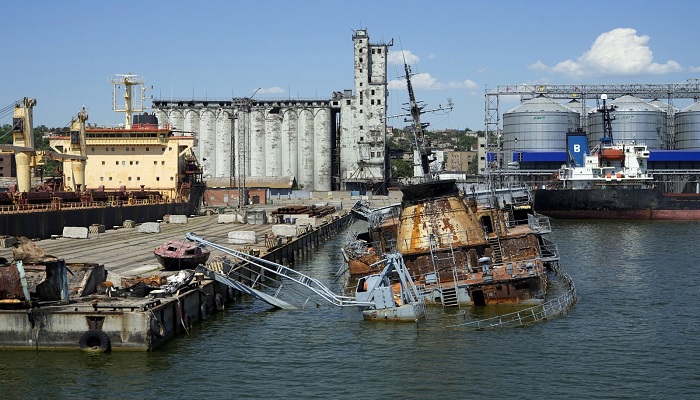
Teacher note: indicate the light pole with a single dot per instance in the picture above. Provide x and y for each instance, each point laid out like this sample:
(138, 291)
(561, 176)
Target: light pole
(242, 149)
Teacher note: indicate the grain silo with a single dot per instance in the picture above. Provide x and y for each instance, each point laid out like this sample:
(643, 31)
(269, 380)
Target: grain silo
(687, 127)
(207, 142)
(539, 124)
(633, 119)
(306, 148)
(273, 137)
(290, 143)
(175, 119)
(223, 137)
(322, 149)
(257, 143)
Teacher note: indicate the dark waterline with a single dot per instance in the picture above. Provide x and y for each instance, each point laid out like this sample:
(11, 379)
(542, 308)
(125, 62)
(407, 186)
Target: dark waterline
(633, 334)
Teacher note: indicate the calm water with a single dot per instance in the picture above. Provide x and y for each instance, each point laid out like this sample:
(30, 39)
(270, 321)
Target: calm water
(635, 333)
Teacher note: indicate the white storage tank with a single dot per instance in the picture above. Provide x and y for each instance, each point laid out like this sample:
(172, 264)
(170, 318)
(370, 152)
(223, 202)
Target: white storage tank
(273, 137)
(290, 143)
(306, 149)
(162, 117)
(670, 110)
(257, 143)
(582, 108)
(633, 119)
(687, 128)
(224, 136)
(322, 149)
(176, 120)
(207, 142)
(538, 124)
(191, 126)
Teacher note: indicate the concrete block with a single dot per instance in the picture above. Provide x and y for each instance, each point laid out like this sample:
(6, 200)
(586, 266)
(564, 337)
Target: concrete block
(7, 242)
(129, 223)
(226, 218)
(97, 228)
(149, 227)
(284, 230)
(242, 237)
(178, 219)
(306, 220)
(75, 232)
(256, 217)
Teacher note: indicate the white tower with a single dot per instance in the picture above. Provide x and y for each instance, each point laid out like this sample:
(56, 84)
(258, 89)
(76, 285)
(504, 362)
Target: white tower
(363, 159)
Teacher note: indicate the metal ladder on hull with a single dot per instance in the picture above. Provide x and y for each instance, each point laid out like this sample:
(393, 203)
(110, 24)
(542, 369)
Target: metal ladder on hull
(448, 293)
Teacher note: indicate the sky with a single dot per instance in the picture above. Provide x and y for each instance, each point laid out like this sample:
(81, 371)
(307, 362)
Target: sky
(65, 53)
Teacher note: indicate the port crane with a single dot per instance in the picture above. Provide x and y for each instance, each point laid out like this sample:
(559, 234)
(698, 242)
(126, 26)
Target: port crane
(28, 157)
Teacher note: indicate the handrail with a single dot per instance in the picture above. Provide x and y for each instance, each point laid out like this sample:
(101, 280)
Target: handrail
(280, 270)
(553, 308)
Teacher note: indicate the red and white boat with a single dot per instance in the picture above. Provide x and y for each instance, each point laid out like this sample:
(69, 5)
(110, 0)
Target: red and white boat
(175, 255)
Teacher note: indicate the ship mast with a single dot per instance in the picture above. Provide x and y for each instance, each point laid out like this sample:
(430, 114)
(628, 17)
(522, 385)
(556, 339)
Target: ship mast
(418, 128)
(415, 110)
(129, 81)
(607, 119)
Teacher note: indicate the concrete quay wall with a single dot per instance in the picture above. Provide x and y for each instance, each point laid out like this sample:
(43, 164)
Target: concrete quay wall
(102, 323)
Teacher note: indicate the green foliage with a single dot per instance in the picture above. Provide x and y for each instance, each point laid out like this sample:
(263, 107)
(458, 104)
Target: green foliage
(6, 134)
(401, 169)
(458, 140)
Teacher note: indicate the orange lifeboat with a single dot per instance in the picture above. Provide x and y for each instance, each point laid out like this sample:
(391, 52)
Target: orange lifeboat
(612, 155)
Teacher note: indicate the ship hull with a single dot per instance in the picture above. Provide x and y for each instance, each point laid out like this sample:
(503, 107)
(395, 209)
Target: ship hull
(44, 224)
(616, 203)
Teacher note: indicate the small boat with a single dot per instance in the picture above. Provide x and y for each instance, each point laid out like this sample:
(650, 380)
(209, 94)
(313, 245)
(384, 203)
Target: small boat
(175, 255)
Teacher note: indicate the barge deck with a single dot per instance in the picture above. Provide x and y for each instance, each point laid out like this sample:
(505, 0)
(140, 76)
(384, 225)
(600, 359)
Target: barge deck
(99, 322)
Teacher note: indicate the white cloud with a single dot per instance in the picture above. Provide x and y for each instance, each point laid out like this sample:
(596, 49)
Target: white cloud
(465, 84)
(398, 57)
(694, 69)
(538, 66)
(618, 52)
(426, 81)
(271, 90)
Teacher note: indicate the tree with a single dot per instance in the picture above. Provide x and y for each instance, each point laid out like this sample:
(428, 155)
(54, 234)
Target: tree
(401, 169)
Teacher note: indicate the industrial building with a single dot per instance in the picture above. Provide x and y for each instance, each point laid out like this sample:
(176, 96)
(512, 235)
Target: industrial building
(325, 144)
(531, 144)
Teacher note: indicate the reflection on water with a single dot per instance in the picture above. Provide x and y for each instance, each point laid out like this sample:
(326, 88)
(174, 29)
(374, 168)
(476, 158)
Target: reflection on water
(632, 334)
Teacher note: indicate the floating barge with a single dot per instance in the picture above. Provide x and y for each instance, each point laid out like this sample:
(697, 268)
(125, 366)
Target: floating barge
(91, 315)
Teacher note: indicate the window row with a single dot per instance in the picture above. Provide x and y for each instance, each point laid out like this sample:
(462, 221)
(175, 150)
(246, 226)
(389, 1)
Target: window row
(129, 149)
(133, 163)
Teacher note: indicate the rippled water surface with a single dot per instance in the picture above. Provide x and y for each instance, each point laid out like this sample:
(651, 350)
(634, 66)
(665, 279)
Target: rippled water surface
(635, 333)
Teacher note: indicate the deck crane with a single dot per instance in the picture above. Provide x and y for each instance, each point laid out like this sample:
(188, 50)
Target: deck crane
(26, 155)
(23, 142)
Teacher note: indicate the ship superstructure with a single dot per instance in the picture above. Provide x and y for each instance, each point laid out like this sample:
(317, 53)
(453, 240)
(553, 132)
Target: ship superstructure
(136, 155)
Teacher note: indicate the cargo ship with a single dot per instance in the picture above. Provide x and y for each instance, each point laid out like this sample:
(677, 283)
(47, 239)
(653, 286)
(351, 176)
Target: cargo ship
(134, 172)
(611, 181)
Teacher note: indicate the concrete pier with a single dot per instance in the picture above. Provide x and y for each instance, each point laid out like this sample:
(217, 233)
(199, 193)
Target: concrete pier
(100, 322)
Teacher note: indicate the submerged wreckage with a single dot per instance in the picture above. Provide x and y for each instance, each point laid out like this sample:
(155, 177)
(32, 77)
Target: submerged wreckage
(481, 248)
(389, 294)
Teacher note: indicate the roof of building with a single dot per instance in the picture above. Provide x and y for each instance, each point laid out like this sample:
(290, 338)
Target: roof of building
(252, 182)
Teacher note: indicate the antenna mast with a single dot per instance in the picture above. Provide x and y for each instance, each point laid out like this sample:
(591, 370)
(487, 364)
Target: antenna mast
(129, 81)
